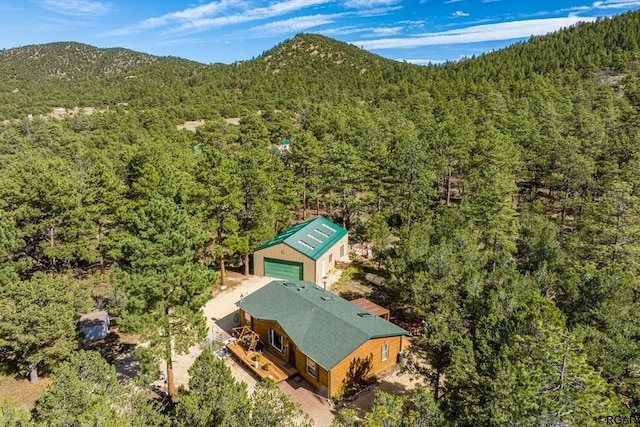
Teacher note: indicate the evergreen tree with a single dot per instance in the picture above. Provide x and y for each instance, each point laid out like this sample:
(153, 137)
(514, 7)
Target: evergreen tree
(305, 160)
(104, 202)
(38, 321)
(163, 285)
(85, 391)
(214, 398)
(268, 406)
(217, 200)
(10, 416)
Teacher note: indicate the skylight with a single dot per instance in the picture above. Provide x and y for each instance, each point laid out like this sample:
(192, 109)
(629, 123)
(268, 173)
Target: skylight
(326, 226)
(320, 232)
(314, 238)
(306, 245)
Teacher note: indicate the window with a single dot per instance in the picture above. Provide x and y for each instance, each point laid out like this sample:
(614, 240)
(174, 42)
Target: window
(385, 352)
(341, 251)
(312, 367)
(330, 257)
(247, 319)
(276, 341)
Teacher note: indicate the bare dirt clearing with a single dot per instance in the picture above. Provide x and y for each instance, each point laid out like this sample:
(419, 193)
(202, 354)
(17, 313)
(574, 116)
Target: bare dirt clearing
(21, 392)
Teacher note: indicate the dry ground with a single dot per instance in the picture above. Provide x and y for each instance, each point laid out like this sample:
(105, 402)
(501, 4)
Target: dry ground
(22, 393)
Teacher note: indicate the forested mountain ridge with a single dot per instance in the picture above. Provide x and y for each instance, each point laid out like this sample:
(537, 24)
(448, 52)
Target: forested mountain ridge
(36, 78)
(500, 196)
(308, 67)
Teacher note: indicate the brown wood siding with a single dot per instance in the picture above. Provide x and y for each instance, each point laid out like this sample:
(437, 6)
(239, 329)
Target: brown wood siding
(261, 327)
(339, 372)
(373, 346)
(301, 365)
(283, 252)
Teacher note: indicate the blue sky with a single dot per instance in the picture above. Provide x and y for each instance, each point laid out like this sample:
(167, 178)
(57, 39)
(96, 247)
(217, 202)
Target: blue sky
(417, 31)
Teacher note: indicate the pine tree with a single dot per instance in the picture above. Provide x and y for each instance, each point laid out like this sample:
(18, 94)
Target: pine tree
(214, 398)
(164, 286)
(38, 320)
(85, 391)
(216, 198)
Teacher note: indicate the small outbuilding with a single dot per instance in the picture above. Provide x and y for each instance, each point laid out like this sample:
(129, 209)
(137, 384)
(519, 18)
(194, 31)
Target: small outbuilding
(94, 326)
(305, 251)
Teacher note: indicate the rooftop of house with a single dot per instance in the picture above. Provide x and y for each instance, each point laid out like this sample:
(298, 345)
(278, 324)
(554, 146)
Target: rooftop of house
(323, 325)
(312, 237)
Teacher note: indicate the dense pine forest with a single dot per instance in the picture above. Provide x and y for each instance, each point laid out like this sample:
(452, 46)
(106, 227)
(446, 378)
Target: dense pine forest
(500, 195)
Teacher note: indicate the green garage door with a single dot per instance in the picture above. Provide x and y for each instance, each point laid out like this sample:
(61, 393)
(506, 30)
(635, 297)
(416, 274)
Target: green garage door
(283, 269)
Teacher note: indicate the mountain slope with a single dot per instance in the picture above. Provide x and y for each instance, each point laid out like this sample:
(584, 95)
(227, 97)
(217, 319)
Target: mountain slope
(67, 61)
(307, 69)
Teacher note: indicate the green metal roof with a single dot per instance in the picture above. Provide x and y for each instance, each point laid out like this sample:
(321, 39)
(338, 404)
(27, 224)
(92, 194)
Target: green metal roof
(324, 326)
(312, 238)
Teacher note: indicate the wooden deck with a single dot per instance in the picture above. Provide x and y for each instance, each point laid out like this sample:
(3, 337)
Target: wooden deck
(278, 369)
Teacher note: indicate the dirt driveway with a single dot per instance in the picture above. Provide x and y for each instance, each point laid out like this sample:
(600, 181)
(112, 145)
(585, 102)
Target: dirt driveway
(219, 312)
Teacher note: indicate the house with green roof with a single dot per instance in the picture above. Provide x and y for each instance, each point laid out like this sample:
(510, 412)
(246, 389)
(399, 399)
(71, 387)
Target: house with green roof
(319, 333)
(305, 251)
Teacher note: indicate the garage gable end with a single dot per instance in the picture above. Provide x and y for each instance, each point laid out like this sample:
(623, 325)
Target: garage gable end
(312, 238)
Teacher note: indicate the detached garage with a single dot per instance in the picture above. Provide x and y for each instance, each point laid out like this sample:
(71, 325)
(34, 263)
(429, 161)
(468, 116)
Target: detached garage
(306, 251)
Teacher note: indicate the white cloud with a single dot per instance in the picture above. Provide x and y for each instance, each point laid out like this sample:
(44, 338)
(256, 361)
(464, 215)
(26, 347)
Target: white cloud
(191, 13)
(217, 14)
(286, 26)
(615, 4)
(380, 11)
(62, 24)
(359, 4)
(460, 13)
(77, 7)
(479, 33)
(354, 29)
(452, 1)
(342, 31)
(387, 31)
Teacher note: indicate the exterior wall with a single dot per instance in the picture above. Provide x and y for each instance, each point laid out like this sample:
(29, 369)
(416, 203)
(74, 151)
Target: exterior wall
(261, 327)
(334, 254)
(327, 383)
(283, 252)
(373, 346)
(299, 359)
(243, 316)
(320, 382)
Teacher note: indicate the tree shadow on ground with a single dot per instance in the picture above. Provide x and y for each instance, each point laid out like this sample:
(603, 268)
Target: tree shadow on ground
(118, 353)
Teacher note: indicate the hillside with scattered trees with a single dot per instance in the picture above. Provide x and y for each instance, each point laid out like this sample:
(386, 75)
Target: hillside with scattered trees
(500, 196)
